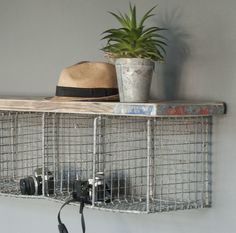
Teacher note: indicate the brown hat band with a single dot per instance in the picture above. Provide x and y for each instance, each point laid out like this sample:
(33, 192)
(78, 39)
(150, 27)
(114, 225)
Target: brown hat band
(85, 92)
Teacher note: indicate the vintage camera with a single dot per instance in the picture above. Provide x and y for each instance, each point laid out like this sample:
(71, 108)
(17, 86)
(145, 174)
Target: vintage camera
(83, 189)
(32, 185)
(102, 190)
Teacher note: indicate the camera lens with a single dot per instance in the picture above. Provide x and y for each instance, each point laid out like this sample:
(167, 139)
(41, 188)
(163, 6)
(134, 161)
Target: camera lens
(27, 186)
(32, 185)
(23, 186)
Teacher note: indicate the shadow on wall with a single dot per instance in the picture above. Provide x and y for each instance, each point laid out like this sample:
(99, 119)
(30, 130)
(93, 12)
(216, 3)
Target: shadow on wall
(177, 53)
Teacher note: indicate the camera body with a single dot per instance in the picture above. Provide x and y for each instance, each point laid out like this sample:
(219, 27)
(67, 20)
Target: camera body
(83, 190)
(32, 185)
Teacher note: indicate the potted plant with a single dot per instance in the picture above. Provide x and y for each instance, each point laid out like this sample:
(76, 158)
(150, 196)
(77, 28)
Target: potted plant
(134, 47)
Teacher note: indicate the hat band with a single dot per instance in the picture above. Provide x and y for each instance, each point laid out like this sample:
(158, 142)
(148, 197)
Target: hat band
(85, 92)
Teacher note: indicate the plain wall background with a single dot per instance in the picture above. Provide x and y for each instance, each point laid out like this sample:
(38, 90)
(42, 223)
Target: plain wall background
(40, 37)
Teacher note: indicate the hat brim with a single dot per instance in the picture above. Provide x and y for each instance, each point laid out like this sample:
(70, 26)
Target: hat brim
(94, 99)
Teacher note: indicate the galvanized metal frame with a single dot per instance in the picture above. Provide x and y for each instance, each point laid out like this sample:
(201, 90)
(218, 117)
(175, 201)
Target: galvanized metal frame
(150, 164)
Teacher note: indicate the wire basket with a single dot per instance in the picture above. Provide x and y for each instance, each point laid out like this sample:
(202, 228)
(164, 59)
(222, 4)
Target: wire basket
(147, 164)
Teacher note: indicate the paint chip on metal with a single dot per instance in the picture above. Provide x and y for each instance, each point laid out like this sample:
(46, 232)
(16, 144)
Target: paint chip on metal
(133, 109)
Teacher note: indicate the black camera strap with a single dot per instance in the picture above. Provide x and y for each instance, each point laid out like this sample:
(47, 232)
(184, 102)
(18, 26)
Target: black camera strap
(61, 226)
(82, 216)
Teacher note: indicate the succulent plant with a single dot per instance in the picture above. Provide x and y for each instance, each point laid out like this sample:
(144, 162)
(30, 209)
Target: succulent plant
(133, 39)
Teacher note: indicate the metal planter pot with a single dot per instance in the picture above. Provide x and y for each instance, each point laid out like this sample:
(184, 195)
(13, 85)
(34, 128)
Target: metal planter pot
(134, 76)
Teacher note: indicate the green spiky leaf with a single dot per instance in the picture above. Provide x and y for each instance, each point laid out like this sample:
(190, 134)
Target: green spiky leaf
(133, 39)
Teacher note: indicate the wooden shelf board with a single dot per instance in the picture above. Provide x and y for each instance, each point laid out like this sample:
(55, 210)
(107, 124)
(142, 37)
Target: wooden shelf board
(152, 109)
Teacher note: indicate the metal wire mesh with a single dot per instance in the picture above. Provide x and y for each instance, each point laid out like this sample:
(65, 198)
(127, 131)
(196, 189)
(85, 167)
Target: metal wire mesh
(181, 165)
(69, 150)
(20, 148)
(148, 164)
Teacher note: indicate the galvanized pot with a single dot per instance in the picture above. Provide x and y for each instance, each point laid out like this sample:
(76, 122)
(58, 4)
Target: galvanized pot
(134, 77)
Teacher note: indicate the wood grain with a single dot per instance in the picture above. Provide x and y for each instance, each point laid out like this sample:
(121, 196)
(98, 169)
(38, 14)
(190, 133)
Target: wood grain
(153, 109)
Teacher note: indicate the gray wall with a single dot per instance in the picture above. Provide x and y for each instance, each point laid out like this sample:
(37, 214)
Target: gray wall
(39, 38)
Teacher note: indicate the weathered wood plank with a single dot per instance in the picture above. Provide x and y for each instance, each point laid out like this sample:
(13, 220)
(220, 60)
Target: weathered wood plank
(159, 108)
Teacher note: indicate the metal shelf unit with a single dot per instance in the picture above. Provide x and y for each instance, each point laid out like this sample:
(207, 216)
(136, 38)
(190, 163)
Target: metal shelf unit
(154, 157)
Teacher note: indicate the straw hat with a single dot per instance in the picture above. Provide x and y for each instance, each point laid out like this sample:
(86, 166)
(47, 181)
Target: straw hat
(87, 81)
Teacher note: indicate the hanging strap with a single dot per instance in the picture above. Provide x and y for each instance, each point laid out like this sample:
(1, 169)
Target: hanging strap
(61, 226)
(82, 216)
